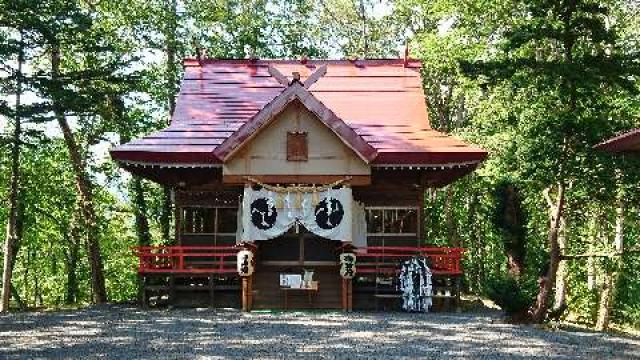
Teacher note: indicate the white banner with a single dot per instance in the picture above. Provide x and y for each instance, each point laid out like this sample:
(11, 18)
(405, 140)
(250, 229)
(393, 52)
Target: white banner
(268, 214)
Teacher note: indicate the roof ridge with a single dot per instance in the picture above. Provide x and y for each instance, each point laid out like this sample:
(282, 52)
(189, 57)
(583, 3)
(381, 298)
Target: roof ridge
(410, 63)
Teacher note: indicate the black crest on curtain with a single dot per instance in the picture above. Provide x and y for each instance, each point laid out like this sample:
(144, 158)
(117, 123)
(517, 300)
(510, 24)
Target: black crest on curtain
(329, 214)
(263, 214)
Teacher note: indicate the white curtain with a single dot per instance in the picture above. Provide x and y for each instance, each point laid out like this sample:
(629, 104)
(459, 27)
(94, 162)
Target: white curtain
(359, 226)
(267, 214)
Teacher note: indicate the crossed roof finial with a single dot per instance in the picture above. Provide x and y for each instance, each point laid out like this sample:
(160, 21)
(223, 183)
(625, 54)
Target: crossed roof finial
(315, 76)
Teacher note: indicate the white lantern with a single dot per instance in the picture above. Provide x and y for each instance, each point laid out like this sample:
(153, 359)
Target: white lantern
(245, 263)
(347, 265)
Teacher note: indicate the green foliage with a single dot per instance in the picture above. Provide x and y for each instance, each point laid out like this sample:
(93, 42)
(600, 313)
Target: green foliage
(518, 104)
(514, 296)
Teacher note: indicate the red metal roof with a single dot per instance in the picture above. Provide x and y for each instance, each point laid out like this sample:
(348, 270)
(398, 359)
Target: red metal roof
(381, 102)
(625, 142)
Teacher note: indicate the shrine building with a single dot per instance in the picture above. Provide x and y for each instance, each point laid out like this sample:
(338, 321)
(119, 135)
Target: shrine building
(624, 143)
(297, 184)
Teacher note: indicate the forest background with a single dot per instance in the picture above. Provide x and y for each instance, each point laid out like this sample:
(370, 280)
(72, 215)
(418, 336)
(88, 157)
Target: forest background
(550, 223)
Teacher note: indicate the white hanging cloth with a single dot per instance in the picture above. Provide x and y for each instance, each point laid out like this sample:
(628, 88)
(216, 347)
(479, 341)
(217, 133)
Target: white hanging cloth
(268, 214)
(359, 231)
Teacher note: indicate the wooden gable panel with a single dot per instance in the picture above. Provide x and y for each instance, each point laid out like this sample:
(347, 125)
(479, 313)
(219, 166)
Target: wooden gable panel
(293, 147)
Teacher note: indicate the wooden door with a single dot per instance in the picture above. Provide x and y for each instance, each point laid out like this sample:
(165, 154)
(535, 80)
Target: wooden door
(291, 253)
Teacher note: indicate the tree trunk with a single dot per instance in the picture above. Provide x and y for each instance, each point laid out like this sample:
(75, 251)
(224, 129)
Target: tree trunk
(172, 83)
(598, 219)
(73, 241)
(605, 304)
(449, 219)
(560, 300)
(139, 202)
(171, 49)
(19, 228)
(512, 225)
(546, 282)
(83, 186)
(12, 221)
(473, 238)
(607, 295)
(16, 296)
(71, 295)
(365, 40)
(140, 210)
(36, 279)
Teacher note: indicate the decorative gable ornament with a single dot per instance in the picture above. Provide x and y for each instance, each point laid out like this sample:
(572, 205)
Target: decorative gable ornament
(245, 263)
(347, 265)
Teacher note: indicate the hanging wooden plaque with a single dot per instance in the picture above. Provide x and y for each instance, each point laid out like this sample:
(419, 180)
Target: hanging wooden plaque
(297, 146)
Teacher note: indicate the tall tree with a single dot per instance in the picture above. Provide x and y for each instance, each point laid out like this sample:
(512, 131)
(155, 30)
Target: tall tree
(83, 76)
(358, 29)
(562, 56)
(172, 77)
(83, 185)
(12, 223)
(18, 32)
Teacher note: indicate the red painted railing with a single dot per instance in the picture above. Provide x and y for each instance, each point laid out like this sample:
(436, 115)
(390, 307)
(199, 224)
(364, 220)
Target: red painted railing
(187, 259)
(222, 259)
(386, 259)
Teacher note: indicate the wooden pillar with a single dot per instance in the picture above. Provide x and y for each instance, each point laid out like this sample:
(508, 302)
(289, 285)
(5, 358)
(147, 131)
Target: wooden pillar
(347, 295)
(458, 286)
(172, 290)
(177, 217)
(142, 291)
(344, 294)
(250, 293)
(350, 297)
(421, 213)
(247, 290)
(212, 284)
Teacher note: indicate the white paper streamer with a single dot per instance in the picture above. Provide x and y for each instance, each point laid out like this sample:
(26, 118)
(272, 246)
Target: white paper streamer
(415, 285)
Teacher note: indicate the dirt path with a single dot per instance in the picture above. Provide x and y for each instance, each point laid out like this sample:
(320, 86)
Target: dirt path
(118, 332)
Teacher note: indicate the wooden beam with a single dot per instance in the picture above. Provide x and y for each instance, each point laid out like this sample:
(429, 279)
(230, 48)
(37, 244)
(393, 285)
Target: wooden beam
(278, 75)
(356, 180)
(315, 76)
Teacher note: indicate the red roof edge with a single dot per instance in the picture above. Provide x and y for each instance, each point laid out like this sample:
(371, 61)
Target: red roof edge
(430, 158)
(324, 114)
(164, 157)
(625, 142)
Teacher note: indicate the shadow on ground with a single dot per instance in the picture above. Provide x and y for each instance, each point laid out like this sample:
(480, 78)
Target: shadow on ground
(123, 332)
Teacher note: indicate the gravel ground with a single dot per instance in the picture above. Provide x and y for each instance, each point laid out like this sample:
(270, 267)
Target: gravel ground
(121, 332)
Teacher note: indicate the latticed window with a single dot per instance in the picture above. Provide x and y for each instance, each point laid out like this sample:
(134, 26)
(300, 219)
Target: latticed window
(392, 221)
(209, 220)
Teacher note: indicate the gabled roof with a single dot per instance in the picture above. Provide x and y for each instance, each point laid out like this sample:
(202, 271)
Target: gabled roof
(295, 91)
(377, 106)
(626, 142)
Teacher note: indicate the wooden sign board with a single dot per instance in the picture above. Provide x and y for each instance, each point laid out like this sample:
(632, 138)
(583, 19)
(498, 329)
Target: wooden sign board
(297, 146)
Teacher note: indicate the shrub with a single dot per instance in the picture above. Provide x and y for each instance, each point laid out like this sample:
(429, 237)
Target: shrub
(514, 296)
